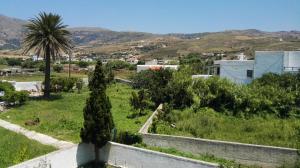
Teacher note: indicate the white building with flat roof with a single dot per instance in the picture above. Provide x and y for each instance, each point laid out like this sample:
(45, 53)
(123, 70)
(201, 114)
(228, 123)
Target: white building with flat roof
(244, 71)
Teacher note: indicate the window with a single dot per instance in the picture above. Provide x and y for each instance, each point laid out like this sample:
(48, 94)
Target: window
(250, 73)
(218, 70)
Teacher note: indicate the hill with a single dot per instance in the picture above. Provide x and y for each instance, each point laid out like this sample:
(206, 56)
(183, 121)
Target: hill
(113, 43)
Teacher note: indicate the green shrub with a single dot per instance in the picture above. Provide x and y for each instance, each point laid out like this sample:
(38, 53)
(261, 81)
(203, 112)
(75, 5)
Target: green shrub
(28, 64)
(79, 85)
(10, 95)
(60, 84)
(266, 95)
(16, 97)
(83, 64)
(14, 61)
(118, 64)
(129, 138)
(3, 61)
(58, 68)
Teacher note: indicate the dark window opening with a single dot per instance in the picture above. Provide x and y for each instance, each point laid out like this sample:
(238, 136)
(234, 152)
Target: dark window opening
(218, 70)
(250, 73)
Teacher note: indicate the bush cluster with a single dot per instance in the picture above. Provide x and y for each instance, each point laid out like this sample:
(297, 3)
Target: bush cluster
(11, 96)
(58, 68)
(166, 86)
(65, 84)
(128, 138)
(270, 94)
(118, 64)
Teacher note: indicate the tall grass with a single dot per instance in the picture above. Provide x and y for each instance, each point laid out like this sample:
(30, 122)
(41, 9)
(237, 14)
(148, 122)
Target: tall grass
(206, 123)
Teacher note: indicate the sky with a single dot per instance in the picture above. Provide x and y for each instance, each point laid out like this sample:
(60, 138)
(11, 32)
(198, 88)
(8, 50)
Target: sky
(165, 16)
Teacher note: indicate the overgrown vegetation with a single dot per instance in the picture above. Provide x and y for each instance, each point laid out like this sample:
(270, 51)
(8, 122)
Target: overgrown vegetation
(199, 63)
(271, 94)
(16, 148)
(265, 112)
(11, 96)
(65, 84)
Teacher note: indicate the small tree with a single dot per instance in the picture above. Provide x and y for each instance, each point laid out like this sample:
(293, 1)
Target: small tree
(79, 85)
(98, 121)
(139, 101)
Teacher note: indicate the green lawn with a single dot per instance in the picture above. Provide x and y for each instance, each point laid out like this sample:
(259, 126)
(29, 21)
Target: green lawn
(40, 76)
(16, 148)
(206, 123)
(207, 158)
(62, 117)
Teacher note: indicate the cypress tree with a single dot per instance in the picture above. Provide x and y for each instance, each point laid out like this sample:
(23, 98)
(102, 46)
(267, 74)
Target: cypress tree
(98, 121)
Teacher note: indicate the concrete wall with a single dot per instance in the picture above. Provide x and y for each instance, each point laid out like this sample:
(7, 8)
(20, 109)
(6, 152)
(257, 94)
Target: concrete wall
(266, 156)
(132, 157)
(125, 81)
(268, 61)
(115, 154)
(236, 71)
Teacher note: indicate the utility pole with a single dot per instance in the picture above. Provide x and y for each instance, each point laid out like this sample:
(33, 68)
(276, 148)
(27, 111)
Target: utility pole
(70, 54)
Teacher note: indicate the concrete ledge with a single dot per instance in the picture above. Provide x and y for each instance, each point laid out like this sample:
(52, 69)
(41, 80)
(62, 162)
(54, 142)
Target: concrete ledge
(115, 154)
(123, 81)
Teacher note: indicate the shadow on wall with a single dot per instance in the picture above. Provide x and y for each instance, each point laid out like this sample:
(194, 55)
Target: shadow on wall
(85, 153)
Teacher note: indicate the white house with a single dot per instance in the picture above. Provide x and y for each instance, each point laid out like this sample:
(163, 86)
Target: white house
(244, 71)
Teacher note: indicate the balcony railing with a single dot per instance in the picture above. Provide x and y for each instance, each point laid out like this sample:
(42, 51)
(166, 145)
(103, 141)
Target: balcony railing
(291, 69)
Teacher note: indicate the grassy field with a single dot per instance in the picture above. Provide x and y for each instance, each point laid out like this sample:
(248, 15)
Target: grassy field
(40, 76)
(15, 148)
(62, 117)
(206, 123)
(207, 158)
(124, 74)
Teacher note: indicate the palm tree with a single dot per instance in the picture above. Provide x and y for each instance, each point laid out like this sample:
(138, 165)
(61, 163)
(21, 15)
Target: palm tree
(46, 35)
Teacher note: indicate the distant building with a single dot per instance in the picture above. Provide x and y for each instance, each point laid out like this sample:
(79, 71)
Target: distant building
(152, 62)
(37, 58)
(244, 71)
(156, 67)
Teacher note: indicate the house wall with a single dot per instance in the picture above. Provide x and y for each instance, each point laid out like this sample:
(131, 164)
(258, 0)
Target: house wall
(292, 59)
(236, 71)
(268, 61)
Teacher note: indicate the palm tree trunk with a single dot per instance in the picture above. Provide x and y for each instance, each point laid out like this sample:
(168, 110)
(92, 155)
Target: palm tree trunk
(47, 73)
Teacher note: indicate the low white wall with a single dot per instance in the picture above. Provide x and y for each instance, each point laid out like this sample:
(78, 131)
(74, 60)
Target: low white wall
(266, 156)
(66, 158)
(132, 157)
(114, 154)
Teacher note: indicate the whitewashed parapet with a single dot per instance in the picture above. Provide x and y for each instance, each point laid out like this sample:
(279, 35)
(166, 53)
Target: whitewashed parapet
(114, 154)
